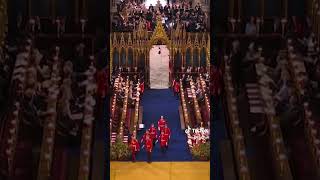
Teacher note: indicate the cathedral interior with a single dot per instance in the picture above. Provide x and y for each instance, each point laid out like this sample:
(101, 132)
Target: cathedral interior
(77, 82)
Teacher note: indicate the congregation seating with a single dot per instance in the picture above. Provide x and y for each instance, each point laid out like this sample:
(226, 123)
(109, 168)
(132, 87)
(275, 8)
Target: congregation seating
(58, 25)
(237, 136)
(194, 100)
(303, 63)
(46, 103)
(268, 73)
(257, 26)
(130, 14)
(125, 105)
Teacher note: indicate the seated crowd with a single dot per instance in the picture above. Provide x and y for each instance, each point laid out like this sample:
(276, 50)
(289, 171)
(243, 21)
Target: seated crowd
(126, 93)
(131, 14)
(278, 86)
(194, 91)
(48, 90)
(259, 25)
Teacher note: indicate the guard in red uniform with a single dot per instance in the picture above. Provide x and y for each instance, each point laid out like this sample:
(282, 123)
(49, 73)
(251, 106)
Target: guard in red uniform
(176, 88)
(167, 133)
(135, 147)
(145, 135)
(153, 133)
(161, 123)
(149, 147)
(141, 86)
(163, 142)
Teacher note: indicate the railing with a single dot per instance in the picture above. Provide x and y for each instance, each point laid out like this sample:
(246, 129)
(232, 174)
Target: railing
(204, 89)
(18, 75)
(49, 128)
(312, 136)
(184, 105)
(196, 104)
(124, 109)
(136, 112)
(12, 140)
(237, 132)
(86, 139)
(114, 99)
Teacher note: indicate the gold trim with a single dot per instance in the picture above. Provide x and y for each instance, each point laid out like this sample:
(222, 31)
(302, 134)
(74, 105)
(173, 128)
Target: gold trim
(159, 34)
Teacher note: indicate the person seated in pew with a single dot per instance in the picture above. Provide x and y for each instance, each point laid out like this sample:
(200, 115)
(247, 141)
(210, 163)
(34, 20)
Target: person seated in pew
(200, 96)
(189, 69)
(292, 114)
(251, 28)
(282, 97)
(251, 55)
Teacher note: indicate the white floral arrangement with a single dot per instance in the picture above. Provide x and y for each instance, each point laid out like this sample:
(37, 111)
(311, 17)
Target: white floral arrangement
(197, 136)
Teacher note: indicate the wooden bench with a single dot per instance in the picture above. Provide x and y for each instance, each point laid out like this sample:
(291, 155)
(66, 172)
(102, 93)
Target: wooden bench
(140, 115)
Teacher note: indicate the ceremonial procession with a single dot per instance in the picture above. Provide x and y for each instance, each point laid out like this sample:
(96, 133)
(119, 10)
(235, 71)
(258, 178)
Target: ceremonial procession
(164, 45)
(159, 90)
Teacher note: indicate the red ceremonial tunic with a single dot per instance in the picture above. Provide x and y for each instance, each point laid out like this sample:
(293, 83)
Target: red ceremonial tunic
(167, 132)
(163, 140)
(144, 137)
(135, 146)
(177, 87)
(161, 124)
(141, 87)
(153, 133)
(149, 144)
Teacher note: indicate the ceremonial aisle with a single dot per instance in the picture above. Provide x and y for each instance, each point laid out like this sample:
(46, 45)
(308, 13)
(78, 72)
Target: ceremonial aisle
(160, 170)
(162, 102)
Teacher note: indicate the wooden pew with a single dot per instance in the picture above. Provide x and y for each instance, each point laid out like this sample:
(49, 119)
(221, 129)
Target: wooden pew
(196, 104)
(237, 137)
(136, 114)
(48, 139)
(184, 106)
(87, 129)
(310, 126)
(124, 109)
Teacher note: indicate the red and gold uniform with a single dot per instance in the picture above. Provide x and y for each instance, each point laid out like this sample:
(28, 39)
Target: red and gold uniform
(176, 87)
(143, 139)
(163, 141)
(149, 147)
(161, 123)
(135, 147)
(153, 133)
(141, 86)
(167, 132)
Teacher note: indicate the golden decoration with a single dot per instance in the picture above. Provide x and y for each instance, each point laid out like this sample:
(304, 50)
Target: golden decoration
(141, 41)
(159, 34)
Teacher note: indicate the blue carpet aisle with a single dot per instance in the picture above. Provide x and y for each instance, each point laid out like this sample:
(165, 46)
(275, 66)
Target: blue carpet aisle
(162, 102)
